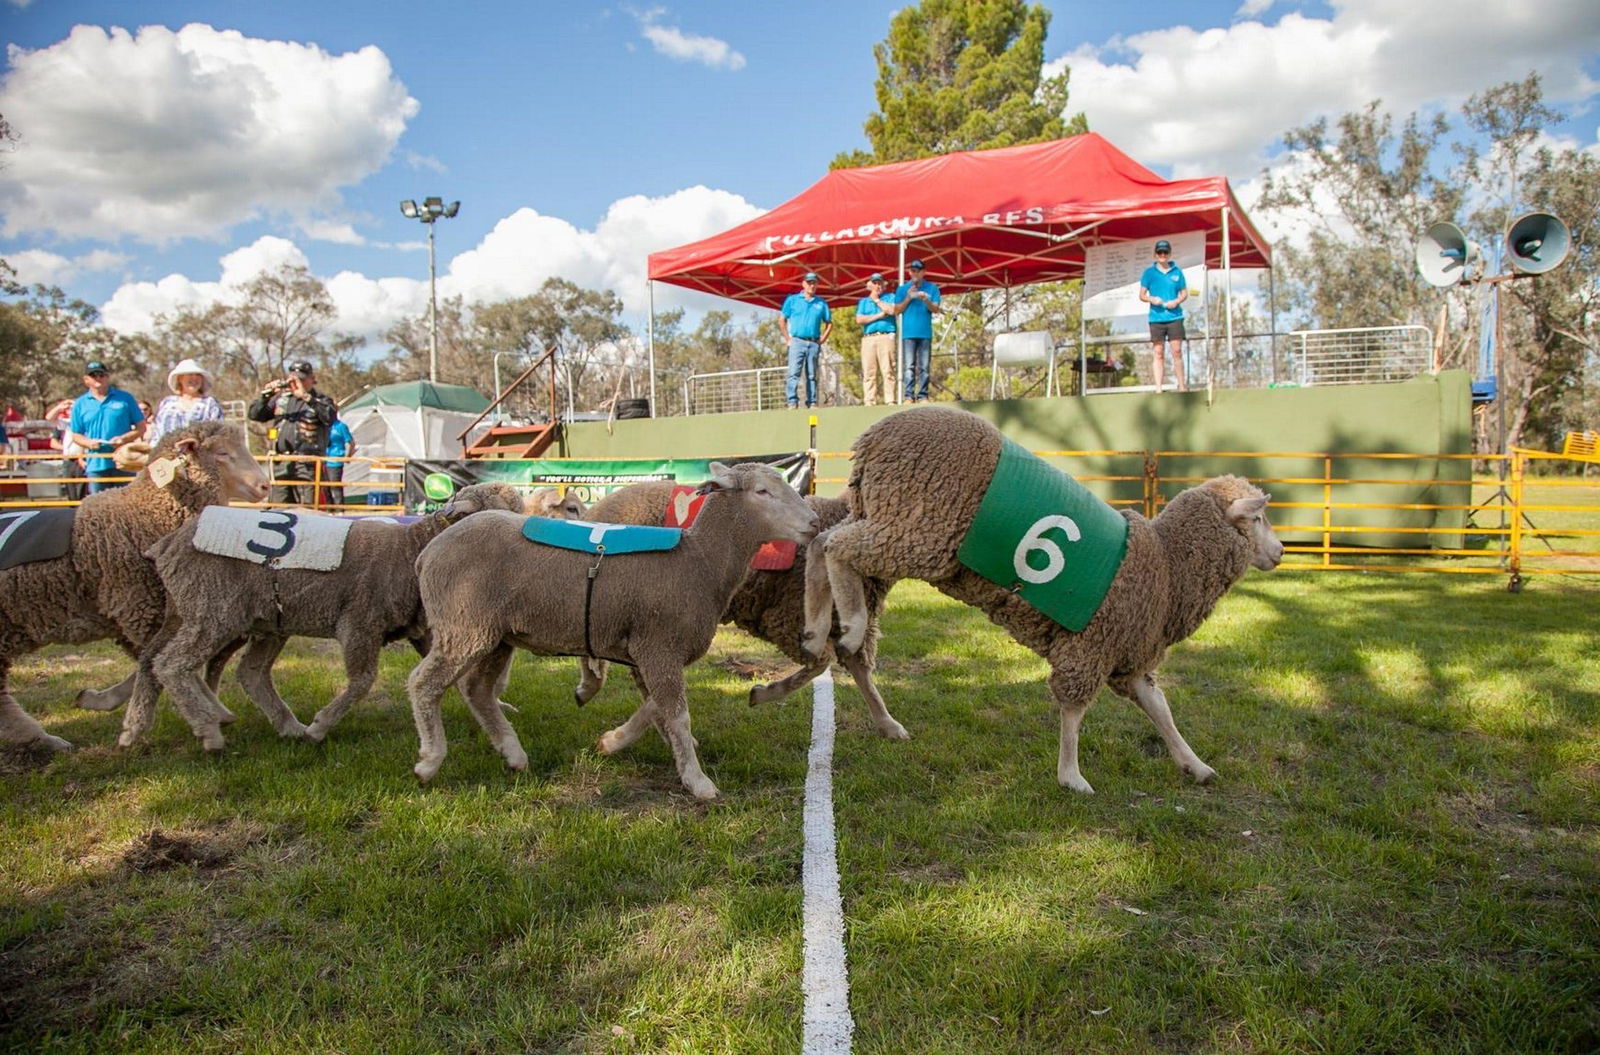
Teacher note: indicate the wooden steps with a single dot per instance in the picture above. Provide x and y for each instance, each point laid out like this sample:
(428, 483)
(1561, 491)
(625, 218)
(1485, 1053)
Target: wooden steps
(514, 441)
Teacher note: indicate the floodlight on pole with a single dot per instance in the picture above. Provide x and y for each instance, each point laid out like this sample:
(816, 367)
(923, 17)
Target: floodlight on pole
(428, 212)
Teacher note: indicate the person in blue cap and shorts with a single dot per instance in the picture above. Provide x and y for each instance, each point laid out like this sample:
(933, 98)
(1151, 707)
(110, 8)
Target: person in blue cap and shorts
(1164, 288)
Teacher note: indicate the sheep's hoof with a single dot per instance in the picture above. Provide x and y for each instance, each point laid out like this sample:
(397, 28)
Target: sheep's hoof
(1075, 782)
(517, 762)
(294, 731)
(579, 698)
(54, 743)
(127, 739)
(225, 716)
(704, 791)
(893, 730)
(850, 639)
(316, 732)
(1202, 773)
(608, 744)
(425, 771)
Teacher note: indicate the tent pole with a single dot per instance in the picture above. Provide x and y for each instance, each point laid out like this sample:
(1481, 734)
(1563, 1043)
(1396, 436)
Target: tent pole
(900, 332)
(1083, 347)
(650, 343)
(1272, 317)
(1227, 295)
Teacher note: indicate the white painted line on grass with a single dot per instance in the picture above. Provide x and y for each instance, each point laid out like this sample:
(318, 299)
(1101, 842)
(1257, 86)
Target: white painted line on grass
(824, 978)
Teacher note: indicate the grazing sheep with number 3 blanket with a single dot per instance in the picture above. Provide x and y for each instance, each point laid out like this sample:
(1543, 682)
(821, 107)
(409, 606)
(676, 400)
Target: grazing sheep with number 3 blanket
(1099, 594)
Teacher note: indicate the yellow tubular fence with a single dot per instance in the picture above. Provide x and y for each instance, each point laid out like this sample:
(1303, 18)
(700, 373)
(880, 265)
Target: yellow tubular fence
(1371, 512)
(39, 479)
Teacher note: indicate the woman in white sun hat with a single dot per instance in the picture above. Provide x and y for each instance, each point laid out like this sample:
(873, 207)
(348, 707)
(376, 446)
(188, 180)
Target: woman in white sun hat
(190, 401)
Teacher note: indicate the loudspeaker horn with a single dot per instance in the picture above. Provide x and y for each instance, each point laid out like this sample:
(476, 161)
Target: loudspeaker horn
(1537, 242)
(1445, 257)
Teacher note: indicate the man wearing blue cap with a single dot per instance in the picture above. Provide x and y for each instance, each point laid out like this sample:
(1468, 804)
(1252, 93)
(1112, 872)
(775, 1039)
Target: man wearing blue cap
(917, 302)
(875, 313)
(805, 323)
(103, 419)
(1164, 288)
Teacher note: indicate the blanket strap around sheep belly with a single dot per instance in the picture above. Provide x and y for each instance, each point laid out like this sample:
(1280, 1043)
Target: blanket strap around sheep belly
(1016, 539)
(588, 599)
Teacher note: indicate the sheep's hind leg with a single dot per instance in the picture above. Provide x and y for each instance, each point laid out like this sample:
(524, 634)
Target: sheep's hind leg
(672, 707)
(255, 675)
(19, 727)
(818, 627)
(107, 699)
(1074, 704)
(481, 686)
(168, 661)
(643, 717)
(1154, 702)
(885, 722)
(777, 690)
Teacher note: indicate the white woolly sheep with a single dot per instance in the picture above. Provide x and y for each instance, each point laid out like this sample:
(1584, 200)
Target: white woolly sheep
(487, 590)
(769, 605)
(917, 481)
(103, 586)
(368, 601)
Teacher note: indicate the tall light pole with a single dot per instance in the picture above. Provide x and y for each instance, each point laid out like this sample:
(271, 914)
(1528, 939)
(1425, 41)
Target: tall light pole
(430, 211)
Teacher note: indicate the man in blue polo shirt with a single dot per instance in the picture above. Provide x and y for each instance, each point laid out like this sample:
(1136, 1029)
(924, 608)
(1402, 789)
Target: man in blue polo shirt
(805, 323)
(1164, 288)
(875, 313)
(103, 419)
(917, 302)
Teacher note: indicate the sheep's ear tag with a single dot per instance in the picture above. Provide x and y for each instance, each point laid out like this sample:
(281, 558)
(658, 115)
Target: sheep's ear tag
(162, 472)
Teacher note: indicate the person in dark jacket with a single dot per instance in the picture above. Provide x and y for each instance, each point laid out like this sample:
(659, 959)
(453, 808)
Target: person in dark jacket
(301, 418)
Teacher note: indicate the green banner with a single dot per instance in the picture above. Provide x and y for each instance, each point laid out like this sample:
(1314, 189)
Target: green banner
(1042, 535)
(428, 485)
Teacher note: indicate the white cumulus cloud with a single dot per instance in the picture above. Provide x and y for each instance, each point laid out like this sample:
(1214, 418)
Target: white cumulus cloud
(514, 259)
(1218, 101)
(42, 267)
(675, 44)
(161, 134)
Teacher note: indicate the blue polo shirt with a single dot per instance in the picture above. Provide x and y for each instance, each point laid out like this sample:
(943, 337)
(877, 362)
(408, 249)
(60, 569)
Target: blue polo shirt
(867, 307)
(1164, 285)
(917, 320)
(806, 317)
(101, 419)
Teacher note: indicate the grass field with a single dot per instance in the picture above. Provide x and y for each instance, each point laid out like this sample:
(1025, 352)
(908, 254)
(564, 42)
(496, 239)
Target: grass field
(1402, 853)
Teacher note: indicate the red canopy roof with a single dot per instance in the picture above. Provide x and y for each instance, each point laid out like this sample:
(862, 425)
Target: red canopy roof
(979, 219)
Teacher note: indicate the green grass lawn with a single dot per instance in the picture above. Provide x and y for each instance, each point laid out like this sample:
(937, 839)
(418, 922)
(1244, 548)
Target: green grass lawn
(1402, 852)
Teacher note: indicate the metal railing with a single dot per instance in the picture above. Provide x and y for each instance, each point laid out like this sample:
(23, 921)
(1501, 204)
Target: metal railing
(735, 390)
(1359, 356)
(1396, 513)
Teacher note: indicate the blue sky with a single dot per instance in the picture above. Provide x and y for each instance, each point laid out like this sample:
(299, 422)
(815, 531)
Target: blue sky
(161, 165)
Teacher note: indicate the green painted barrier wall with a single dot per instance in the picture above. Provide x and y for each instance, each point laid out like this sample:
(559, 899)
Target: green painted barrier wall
(1427, 415)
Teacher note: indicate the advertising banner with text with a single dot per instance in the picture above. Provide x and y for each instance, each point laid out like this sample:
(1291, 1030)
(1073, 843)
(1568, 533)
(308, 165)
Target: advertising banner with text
(428, 484)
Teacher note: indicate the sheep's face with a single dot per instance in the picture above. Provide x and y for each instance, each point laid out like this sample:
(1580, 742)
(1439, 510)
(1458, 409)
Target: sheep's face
(226, 449)
(1249, 518)
(768, 496)
(550, 502)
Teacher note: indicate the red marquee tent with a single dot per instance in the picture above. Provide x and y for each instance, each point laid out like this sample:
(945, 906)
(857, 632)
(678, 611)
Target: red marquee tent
(980, 219)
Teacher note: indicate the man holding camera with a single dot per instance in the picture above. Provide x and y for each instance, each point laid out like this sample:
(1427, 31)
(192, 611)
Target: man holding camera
(301, 417)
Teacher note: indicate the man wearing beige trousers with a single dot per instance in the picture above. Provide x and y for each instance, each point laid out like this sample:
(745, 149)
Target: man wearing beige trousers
(876, 315)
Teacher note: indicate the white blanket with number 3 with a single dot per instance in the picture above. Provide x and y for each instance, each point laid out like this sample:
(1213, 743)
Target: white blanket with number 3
(280, 538)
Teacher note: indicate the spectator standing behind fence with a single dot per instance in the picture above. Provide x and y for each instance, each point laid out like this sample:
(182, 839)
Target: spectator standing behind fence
(191, 401)
(301, 417)
(805, 323)
(60, 415)
(1164, 287)
(917, 302)
(876, 313)
(341, 445)
(103, 419)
